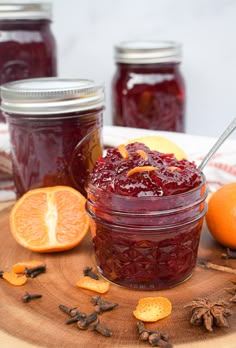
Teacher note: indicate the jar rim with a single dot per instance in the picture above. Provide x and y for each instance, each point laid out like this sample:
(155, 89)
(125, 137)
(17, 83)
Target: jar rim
(12, 10)
(51, 96)
(148, 52)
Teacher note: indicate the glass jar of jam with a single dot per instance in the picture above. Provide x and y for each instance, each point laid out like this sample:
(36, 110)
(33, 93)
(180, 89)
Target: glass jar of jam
(146, 224)
(148, 89)
(55, 130)
(27, 45)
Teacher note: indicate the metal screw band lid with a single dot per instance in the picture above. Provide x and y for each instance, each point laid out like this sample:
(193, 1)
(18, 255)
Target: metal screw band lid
(51, 96)
(148, 52)
(12, 10)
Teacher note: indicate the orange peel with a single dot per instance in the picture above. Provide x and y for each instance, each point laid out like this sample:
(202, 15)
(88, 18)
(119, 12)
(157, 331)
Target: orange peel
(100, 286)
(151, 309)
(141, 169)
(14, 279)
(20, 267)
(123, 151)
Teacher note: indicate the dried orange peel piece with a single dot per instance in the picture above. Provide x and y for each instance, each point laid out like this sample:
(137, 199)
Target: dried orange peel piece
(100, 286)
(14, 279)
(151, 309)
(20, 267)
(141, 169)
(142, 154)
(122, 150)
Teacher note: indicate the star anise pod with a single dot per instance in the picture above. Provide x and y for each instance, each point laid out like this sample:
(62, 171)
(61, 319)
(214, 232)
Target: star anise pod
(209, 313)
(232, 290)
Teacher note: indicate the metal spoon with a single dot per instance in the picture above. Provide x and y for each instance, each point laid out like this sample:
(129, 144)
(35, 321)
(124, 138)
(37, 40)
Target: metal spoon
(218, 143)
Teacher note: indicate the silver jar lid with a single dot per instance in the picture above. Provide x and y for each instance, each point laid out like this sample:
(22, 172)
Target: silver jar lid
(50, 96)
(147, 52)
(12, 10)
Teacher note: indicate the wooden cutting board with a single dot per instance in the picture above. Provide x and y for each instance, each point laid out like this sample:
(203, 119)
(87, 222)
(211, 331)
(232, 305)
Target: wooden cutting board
(41, 323)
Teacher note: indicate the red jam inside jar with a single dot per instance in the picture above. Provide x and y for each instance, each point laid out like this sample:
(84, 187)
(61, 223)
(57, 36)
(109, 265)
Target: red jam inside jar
(146, 231)
(27, 44)
(148, 89)
(55, 130)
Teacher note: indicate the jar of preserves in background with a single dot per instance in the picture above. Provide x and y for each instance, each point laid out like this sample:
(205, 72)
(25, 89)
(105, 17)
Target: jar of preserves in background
(148, 89)
(27, 45)
(55, 128)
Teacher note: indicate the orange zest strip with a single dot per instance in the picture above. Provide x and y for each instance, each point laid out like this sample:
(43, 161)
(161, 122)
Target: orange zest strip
(122, 150)
(14, 279)
(173, 169)
(141, 169)
(142, 154)
(20, 267)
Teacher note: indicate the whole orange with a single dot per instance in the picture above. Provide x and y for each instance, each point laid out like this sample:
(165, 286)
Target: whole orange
(221, 215)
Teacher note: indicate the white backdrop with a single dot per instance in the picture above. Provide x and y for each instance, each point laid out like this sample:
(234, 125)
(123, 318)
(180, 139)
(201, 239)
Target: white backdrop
(87, 30)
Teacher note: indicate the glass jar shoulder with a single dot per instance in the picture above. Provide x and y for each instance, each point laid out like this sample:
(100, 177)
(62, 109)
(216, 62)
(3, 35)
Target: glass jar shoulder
(25, 31)
(132, 77)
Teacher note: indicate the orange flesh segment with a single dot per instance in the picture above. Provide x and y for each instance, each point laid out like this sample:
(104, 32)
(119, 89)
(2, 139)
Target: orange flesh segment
(141, 169)
(142, 154)
(122, 150)
(49, 219)
(14, 279)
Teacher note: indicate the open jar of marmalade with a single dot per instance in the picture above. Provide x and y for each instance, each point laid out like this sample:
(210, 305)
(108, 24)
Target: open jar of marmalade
(55, 128)
(145, 224)
(27, 45)
(148, 89)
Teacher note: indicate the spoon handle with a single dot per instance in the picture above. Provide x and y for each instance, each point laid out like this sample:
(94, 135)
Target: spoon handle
(219, 142)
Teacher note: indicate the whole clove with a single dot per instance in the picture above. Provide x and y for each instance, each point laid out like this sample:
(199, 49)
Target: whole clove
(70, 311)
(1, 273)
(102, 329)
(35, 271)
(83, 323)
(155, 338)
(28, 297)
(78, 317)
(143, 332)
(88, 271)
(102, 305)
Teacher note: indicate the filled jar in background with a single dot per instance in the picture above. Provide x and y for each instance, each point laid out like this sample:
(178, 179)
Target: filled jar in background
(27, 44)
(148, 90)
(55, 128)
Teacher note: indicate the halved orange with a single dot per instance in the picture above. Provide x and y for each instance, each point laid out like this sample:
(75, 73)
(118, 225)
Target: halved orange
(49, 219)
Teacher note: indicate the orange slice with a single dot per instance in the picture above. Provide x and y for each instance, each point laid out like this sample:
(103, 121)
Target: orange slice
(161, 144)
(49, 219)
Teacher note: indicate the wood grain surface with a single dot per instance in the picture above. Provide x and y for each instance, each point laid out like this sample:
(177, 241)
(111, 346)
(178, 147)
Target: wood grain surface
(42, 324)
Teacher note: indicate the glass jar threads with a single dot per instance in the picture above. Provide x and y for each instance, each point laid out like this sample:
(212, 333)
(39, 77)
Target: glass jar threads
(27, 45)
(55, 130)
(148, 89)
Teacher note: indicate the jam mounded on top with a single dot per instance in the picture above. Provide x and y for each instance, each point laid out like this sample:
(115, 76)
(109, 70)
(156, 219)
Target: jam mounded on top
(135, 170)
